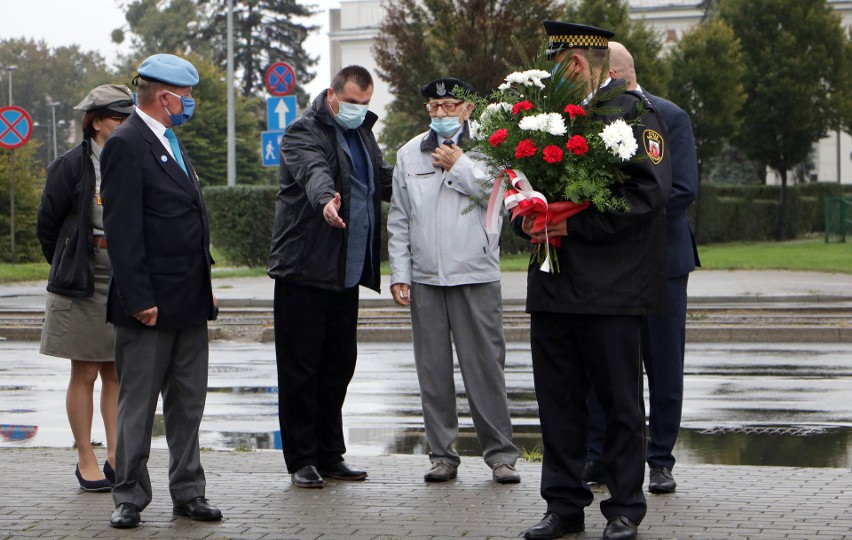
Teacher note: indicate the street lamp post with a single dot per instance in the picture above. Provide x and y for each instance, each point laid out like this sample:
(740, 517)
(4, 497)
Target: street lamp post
(232, 147)
(53, 106)
(9, 70)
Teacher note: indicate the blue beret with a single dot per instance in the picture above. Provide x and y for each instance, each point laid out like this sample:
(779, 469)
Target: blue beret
(169, 69)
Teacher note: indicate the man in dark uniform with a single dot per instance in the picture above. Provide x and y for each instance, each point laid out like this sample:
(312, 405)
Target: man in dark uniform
(160, 294)
(586, 319)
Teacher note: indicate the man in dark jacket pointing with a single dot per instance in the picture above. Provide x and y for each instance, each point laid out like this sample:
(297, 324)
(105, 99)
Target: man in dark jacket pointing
(325, 243)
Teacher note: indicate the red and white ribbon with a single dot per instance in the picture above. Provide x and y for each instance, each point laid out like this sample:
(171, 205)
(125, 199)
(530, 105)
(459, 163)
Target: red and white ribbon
(520, 198)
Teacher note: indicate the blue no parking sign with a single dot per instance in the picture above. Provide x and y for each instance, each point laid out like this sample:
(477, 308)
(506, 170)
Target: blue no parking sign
(16, 126)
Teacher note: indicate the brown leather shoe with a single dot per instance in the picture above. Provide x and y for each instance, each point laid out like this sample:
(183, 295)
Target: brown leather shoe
(441, 472)
(503, 473)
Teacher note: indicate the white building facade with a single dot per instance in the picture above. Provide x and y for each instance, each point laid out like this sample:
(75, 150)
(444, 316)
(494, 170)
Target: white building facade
(355, 24)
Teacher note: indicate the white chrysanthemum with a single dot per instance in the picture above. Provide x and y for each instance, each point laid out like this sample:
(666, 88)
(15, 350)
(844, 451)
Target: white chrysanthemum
(474, 129)
(548, 122)
(492, 108)
(619, 140)
(526, 78)
(504, 86)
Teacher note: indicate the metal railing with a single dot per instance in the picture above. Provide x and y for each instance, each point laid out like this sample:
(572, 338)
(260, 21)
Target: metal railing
(838, 219)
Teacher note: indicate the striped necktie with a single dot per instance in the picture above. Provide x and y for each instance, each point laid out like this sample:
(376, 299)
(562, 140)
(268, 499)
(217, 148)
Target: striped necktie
(173, 142)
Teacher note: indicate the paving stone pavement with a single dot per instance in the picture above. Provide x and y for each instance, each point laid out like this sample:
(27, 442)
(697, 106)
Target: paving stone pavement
(40, 498)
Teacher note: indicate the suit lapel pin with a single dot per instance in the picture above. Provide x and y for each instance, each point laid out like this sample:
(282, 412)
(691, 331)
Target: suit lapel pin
(164, 159)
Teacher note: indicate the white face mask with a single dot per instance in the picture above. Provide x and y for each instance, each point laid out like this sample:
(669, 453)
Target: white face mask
(351, 115)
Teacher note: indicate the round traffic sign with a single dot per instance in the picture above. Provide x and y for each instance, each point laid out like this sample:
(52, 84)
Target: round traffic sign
(16, 127)
(280, 79)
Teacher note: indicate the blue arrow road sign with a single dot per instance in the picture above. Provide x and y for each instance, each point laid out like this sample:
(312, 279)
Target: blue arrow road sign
(270, 147)
(280, 111)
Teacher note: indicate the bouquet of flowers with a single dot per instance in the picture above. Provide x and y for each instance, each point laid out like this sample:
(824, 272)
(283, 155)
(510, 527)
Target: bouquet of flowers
(552, 147)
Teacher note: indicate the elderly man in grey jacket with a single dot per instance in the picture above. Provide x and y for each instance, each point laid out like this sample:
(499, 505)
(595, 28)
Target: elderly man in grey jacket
(446, 267)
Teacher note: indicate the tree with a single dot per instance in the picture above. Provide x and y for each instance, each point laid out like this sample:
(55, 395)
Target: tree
(29, 180)
(707, 71)
(644, 44)
(265, 31)
(61, 75)
(205, 135)
(792, 49)
(159, 26)
(419, 41)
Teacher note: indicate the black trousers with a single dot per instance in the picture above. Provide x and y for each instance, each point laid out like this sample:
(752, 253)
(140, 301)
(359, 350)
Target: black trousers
(572, 354)
(316, 349)
(663, 344)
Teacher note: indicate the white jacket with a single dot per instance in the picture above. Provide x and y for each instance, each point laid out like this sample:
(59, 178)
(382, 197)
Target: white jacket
(431, 239)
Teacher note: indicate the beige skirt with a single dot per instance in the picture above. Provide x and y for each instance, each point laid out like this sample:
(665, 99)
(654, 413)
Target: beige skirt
(75, 328)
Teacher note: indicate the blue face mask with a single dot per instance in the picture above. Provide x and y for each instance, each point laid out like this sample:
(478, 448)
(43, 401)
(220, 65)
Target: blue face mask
(445, 126)
(351, 115)
(188, 108)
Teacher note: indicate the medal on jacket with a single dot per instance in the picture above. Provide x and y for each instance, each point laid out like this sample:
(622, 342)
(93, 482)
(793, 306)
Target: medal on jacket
(100, 201)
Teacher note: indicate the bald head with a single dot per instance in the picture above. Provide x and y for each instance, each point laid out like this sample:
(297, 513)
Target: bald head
(621, 64)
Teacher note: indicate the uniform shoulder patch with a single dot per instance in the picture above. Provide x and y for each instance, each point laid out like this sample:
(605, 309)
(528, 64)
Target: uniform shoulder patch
(654, 145)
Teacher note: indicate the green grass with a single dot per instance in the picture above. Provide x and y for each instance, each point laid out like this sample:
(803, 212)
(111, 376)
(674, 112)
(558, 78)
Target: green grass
(812, 255)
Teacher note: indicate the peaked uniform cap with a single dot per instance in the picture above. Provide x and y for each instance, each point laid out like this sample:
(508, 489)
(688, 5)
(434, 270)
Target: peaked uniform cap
(444, 88)
(115, 97)
(563, 35)
(169, 69)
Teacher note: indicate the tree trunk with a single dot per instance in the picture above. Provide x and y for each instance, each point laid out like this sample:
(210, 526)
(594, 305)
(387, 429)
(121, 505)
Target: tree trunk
(782, 206)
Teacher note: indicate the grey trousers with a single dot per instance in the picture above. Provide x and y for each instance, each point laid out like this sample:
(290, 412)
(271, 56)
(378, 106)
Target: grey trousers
(150, 361)
(473, 315)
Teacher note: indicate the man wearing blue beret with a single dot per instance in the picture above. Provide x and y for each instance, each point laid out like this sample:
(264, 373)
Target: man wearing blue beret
(160, 294)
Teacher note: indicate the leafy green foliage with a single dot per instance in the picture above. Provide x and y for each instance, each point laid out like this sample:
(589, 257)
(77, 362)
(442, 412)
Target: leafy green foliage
(29, 179)
(159, 27)
(708, 69)
(241, 219)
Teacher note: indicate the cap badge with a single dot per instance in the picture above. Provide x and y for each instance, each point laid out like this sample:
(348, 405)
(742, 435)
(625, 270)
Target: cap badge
(440, 89)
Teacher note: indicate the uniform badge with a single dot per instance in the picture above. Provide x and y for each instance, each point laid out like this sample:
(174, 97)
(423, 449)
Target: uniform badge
(654, 146)
(440, 89)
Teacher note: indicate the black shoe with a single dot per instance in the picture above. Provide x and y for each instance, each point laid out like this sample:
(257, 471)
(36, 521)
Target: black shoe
(126, 516)
(619, 528)
(307, 477)
(198, 509)
(553, 526)
(109, 472)
(92, 485)
(594, 473)
(342, 471)
(662, 480)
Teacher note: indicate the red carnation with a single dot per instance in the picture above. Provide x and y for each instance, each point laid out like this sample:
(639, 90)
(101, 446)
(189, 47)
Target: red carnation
(552, 154)
(575, 110)
(578, 145)
(525, 148)
(522, 106)
(498, 136)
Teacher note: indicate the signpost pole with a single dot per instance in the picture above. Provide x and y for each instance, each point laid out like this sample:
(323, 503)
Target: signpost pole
(12, 206)
(232, 138)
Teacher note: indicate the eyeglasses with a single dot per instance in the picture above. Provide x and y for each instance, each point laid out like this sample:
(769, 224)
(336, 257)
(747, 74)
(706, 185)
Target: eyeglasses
(119, 119)
(448, 106)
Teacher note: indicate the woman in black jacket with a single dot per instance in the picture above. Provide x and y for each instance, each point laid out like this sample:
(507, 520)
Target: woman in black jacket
(70, 230)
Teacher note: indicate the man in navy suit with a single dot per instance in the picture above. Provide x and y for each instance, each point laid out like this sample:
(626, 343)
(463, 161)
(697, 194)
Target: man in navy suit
(160, 294)
(663, 335)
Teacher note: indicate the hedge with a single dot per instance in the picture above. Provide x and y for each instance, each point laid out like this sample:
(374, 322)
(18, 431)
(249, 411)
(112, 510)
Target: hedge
(241, 217)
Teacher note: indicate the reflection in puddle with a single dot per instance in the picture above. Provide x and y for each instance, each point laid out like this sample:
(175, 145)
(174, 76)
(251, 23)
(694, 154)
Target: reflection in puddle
(778, 446)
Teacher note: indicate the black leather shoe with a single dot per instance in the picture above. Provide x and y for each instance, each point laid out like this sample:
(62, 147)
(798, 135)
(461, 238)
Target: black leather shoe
(126, 516)
(92, 485)
(109, 472)
(307, 477)
(198, 509)
(594, 473)
(342, 471)
(619, 528)
(553, 526)
(661, 480)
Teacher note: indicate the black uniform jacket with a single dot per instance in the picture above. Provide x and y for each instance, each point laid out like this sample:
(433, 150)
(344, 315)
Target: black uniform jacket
(156, 222)
(64, 224)
(614, 262)
(305, 249)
